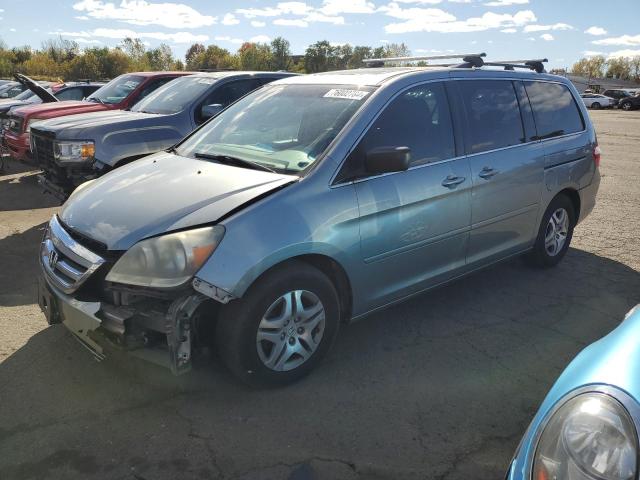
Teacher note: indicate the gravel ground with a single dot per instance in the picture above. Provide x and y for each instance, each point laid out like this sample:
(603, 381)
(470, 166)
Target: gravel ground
(440, 387)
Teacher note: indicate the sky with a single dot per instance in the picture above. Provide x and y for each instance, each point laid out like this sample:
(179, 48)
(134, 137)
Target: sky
(561, 30)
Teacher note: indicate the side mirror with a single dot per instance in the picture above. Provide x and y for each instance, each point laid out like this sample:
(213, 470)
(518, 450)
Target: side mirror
(387, 159)
(209, 111)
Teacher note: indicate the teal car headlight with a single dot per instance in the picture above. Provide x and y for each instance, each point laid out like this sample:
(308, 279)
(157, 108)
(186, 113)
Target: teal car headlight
(168, 260)
(591, 437)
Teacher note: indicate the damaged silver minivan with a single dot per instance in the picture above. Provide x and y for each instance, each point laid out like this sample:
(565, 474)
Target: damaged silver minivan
(315, 201)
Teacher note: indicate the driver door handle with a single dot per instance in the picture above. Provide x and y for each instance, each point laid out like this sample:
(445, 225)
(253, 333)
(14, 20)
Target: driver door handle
(452, 181)
(488, 172)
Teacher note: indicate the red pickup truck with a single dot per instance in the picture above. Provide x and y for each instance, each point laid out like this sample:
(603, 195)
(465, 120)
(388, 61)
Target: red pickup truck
(121, 93)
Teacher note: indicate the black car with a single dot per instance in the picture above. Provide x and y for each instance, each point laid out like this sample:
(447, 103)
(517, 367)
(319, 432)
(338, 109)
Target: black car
(623, 98)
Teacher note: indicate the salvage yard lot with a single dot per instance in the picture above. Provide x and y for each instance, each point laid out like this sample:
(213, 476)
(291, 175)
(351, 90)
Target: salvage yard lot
(442, 386)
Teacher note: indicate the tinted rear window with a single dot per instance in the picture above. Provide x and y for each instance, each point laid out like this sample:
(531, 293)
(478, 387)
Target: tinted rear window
(493, 114)
(554, 109)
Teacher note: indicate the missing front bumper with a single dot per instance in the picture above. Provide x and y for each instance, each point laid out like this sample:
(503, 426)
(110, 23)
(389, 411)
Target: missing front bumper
(102, 327)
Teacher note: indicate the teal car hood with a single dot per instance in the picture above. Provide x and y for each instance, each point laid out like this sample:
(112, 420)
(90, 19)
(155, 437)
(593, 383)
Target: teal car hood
(161, 193)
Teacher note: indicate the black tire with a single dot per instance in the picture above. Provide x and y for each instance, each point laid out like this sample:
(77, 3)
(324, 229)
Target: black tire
(539, 256)
(238, 321)
(596, 106)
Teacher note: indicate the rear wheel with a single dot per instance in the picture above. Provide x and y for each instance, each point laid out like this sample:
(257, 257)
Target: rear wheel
(554, 234)
(281, 328)
(625, 106)
(596, 106)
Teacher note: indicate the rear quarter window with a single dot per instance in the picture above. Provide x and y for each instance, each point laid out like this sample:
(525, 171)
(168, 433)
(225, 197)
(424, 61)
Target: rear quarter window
(554, 109)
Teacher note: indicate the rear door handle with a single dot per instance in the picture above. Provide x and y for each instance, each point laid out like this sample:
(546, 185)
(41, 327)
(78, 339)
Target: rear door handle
(452, 181)
(488, 172)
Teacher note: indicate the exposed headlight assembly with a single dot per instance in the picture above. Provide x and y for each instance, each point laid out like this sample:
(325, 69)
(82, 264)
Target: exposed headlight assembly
(73, 152)
(166, 261)
(591, 437)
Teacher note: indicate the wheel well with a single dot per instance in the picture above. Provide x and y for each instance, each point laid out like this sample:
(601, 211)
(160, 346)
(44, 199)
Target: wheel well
(336, 274)
(575, 199)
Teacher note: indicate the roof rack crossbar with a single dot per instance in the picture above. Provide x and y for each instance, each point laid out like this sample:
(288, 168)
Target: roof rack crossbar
(473, 58)
(534, 64)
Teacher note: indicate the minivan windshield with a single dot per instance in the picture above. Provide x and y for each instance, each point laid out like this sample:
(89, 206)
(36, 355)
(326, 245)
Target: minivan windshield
(175, 96)
(281, 127)
(116, 90)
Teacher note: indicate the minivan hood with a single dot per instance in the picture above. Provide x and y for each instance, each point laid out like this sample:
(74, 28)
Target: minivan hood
(161, 193)
(71, 127)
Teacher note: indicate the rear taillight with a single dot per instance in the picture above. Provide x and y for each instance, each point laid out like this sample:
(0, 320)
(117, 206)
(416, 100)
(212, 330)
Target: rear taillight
(596, 155)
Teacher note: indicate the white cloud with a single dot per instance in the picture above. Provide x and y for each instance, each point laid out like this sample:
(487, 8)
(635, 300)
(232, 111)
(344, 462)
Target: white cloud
(426, 2)
(257, 23)
(624, 40)
(509, 30)
(87, 40)
(121, 33)
(547, 37)
(306, 14)
(260, 39)
(141, 12)
(591, 53)
(12, 29)
(81, 17)
(225, 38)
(230, 19)
(437, 20)
(282, 8)
(625, 53)
(335, 7)
(595, 31)
(506, 3)
(288, 22)
(546, 28)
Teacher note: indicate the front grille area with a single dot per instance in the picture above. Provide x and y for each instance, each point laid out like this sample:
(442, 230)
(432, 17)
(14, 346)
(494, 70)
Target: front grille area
(67, 263)
(42, 150)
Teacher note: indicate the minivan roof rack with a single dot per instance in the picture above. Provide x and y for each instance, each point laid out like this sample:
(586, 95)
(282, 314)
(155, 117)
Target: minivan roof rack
(535, 64)
(469, 59)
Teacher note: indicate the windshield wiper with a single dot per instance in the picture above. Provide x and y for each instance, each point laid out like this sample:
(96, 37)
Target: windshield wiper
(238, 162)
(96, 99)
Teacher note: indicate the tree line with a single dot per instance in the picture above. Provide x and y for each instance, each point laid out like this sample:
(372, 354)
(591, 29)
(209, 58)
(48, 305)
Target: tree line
(621, 68)
(63, 59)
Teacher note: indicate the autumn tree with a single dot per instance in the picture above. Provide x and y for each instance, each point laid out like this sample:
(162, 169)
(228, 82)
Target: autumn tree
(280, 54)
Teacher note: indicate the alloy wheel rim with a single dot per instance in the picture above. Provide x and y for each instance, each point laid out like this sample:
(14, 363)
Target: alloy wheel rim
(556, 233)
(291, 330)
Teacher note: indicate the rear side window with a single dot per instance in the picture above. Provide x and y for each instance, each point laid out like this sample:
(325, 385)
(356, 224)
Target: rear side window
(554, 109)
(493, 115)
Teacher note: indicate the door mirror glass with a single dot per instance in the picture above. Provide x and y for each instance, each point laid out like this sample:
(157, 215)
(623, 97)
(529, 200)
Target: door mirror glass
(209, 111)
(387, 159)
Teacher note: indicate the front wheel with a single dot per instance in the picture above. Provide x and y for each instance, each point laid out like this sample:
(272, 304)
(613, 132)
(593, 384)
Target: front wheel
(281, 328)
(626, 106)
(596, 106)
(554, 234)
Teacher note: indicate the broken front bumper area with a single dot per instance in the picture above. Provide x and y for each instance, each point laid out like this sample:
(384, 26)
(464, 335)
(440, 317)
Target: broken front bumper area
(159, 332)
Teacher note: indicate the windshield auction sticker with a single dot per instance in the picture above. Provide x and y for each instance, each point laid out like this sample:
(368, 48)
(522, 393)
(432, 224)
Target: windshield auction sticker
(345, 93)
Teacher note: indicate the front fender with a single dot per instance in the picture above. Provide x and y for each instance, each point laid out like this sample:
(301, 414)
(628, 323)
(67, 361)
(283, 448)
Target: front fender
(300, 219)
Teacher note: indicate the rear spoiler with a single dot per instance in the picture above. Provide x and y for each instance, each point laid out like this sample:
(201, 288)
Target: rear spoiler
(35, 88)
